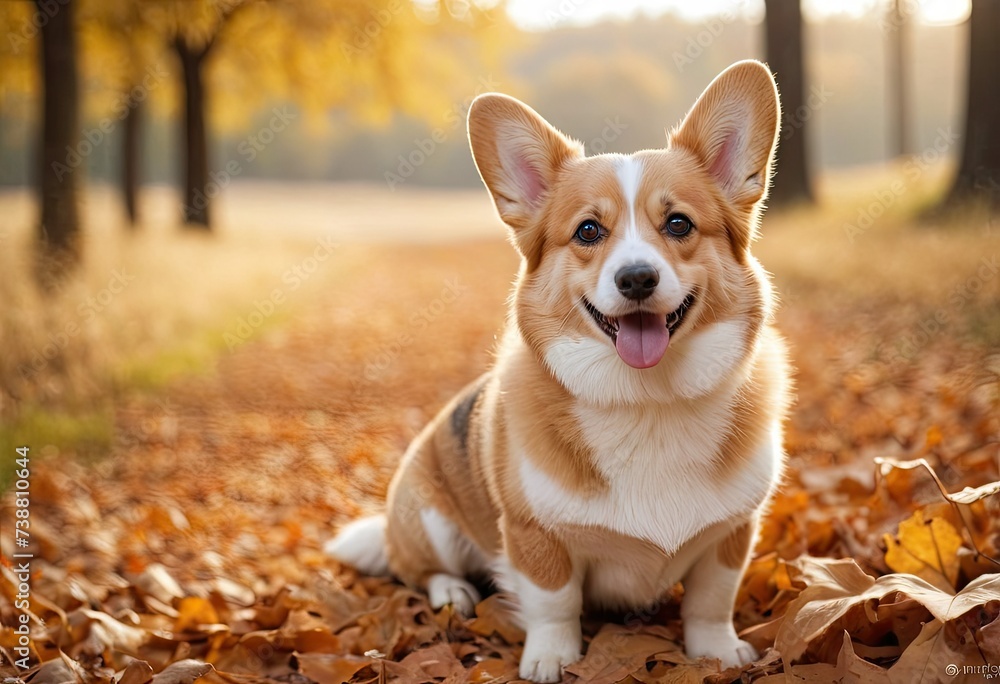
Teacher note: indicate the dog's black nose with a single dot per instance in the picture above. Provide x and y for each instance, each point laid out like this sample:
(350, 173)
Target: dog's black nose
(637, 281)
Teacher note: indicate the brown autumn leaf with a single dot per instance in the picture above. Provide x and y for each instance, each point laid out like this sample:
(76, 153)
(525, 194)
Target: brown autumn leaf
(61, 670)
(616, 652)
(492, 670)
(183, 672)
(436, 662)
(325, 668)
(493, 617)
(925, 548)
(834, 587)
(849, 668)
(136, 672)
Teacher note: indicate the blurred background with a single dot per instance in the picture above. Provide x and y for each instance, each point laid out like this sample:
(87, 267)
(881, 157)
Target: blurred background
(189, 184)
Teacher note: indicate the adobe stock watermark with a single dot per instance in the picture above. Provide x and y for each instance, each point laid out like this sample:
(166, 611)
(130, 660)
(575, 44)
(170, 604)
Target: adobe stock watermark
(563, 13)
(365, 36)
(421, 319)
(891, 21)
(424, 148)
(29, 29)
(613, 128)
(248, 149)
(794, 121)
(914, 168)
(963, 293)
(710, 31)
(86, 311)
(93, 137)
(292, 279)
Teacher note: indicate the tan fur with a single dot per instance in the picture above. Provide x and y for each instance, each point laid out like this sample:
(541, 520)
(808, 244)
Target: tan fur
(735, 547)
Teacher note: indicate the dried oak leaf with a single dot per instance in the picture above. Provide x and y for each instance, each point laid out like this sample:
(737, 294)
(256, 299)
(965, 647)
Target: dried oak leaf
(61, 670)
(849, 669)
(835, 586)
(328, 668)
(617, 652)
(437, 661)
(136, 672)
(183, 672)
(925, 548)
(928, 657)
(493, 617)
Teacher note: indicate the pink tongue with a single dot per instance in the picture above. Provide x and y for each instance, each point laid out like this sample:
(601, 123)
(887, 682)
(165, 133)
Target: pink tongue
(642, 339)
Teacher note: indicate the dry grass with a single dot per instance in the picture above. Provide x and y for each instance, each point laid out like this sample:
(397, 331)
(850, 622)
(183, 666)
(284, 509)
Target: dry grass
(901, 256)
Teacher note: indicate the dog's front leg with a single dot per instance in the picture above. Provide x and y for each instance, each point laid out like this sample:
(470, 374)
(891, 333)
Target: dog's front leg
(549, 594)
(710, 588)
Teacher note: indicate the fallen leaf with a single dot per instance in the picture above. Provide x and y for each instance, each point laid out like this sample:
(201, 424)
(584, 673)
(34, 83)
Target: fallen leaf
(183, 672)
(156, 581)
(326, 668)
(136, 672)
(833, 587)
(493, 617)
(492, 670)
(925, 548)
(194, 611)
(616, 652)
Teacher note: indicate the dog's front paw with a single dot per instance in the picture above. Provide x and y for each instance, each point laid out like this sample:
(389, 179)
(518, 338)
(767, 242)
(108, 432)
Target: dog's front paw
(548, 649)
(719, 641)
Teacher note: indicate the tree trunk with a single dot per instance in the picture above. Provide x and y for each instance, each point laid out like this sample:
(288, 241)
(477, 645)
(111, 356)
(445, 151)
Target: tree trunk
(131, 161)
(978, 177)
(783, 36)
(62, 158)
(897, 38)
(196, 198)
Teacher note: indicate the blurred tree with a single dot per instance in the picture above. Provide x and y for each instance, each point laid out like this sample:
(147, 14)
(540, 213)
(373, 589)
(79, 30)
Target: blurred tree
(367, 56)
(122, 50)
(60, 134)
(783, 37)
(896, 28)
(978, 177)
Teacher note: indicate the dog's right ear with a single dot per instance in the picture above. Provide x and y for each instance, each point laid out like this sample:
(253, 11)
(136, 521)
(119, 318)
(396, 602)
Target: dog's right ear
(519, 155)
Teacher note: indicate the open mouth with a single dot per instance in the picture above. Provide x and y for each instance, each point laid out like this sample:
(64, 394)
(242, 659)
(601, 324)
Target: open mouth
(641, 338)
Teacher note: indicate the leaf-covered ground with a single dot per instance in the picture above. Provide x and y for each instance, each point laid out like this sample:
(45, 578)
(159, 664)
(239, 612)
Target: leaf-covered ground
(193, 550)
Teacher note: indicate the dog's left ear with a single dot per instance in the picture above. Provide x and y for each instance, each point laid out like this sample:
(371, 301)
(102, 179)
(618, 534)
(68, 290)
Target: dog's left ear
(733, 130)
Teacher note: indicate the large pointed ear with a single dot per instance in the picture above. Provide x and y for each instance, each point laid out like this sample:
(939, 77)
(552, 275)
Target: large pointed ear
(518, 155)
(733, 130)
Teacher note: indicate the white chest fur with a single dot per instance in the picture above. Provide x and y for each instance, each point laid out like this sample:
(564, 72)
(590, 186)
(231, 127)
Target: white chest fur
(658, 463)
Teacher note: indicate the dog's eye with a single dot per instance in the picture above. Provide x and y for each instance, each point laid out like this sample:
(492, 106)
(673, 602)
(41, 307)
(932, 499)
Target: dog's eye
(679, 225)
(588, 231)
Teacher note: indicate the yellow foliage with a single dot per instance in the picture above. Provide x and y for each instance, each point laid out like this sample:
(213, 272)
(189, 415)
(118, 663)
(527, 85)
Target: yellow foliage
(925, 548)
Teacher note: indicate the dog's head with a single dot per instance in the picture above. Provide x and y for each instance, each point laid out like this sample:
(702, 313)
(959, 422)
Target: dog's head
(635, 254)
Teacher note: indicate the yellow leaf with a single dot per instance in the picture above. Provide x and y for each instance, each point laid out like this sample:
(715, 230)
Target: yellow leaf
(925, 548)
(194, 611)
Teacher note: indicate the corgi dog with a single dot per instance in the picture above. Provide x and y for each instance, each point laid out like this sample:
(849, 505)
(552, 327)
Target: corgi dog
(629, 433)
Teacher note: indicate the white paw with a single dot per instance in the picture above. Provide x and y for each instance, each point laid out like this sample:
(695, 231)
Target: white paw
(718, 641)
(444, 589)
(548, 649)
